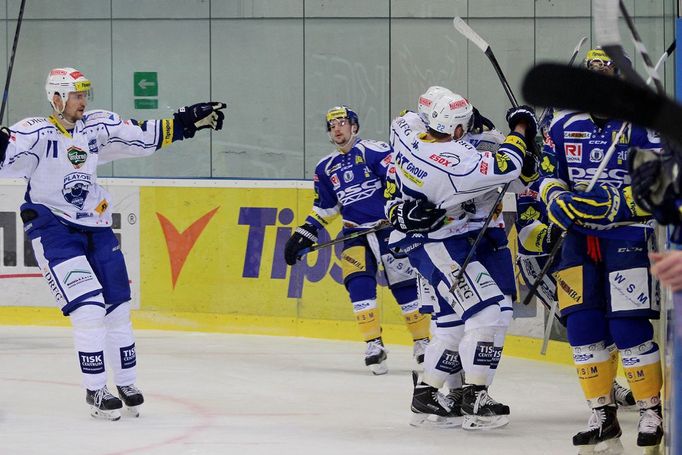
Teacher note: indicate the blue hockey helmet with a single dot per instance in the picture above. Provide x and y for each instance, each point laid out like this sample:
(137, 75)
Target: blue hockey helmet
(339, 112)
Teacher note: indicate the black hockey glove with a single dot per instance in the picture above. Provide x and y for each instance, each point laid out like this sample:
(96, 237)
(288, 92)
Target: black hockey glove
(5, 133)
(416, 216)
(200, 116)
(303, 237)
(529, 170)
(552, 235)
(479, 123)
(656, 185)
(524, 114)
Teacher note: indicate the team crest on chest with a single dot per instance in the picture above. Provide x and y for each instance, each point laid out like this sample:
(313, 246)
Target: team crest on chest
(76, 156)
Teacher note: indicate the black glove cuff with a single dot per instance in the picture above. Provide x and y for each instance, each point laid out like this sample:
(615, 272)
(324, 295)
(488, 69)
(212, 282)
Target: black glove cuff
(307, 231)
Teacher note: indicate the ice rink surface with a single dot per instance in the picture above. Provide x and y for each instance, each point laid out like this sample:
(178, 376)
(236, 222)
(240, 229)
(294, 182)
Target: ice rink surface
(238, 394)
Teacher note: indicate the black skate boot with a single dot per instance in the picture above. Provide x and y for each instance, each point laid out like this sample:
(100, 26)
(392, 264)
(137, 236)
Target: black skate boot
(455, 395)
(103, 405)
(132, 398)
(432, 408)
(602, 434)
(375, 356)
(479, 411)
(623, 397)
(650, 427)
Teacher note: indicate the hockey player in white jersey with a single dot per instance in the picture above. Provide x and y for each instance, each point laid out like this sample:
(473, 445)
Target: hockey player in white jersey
(67, 216)
(436, 178)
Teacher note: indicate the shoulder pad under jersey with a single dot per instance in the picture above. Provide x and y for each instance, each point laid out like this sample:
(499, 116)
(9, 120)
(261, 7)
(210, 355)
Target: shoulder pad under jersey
(31, 124)
(322, 166)
(100, 116)
(376, 146)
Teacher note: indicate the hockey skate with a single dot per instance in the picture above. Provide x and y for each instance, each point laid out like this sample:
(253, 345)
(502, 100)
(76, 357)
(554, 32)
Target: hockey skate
(624, 397)
(103, 405)
(375, 357)
(132, 398)
(650, 429)
(430, 408)
(419, 348)
(479, 409)
(602, 435)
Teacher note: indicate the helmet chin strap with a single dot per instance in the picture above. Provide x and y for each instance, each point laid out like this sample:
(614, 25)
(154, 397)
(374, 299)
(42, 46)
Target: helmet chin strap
(68, 124)
(342, 147)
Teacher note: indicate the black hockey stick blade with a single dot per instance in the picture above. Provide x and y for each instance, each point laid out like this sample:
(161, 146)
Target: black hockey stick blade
(564, 87)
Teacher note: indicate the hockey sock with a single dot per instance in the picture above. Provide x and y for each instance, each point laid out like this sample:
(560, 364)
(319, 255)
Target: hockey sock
(441, 359)
(88, 336)
(506, 314)
(367, 316)
(476, 349)
(120, 345)
(595, 373)
(642, 365)
(418, 324)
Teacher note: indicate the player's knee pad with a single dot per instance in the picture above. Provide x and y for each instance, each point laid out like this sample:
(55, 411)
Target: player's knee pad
(642, 366)
(78, 283)
(586, 327)
(477, 351)
(595, 372)
(406, 296)
(487, 317)
(629, 332)
(506, 311)
(441, 358)
(89, 334)
(361, 287)
(88, 316)
(118, 316)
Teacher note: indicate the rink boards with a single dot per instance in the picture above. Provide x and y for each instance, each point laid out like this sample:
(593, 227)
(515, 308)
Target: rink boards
(207, 255)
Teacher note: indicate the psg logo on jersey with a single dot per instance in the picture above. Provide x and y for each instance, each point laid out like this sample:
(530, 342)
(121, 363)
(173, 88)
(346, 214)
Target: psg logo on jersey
(76, 156)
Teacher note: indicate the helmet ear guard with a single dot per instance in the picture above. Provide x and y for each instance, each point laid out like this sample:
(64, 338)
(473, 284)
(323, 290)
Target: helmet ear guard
(63, 81)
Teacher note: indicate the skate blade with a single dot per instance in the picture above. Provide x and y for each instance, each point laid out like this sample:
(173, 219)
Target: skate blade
(102, 414)
(609, 447)
(435, 421)
(132, 411)
(475, 423)
(378, 369)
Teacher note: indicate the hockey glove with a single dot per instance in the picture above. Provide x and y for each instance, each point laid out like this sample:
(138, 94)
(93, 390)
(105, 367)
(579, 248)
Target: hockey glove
(5, 134)
(418, 215)
(600, 204)
(526, 115)
(529, 170)
(200, 116)
(479, 123)
(551, 235)
(559, 212)
(303, 237)
(656, 182)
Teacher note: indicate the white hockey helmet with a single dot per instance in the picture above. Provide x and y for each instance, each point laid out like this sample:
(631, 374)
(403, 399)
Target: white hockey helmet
(443, 111)
(64, 81)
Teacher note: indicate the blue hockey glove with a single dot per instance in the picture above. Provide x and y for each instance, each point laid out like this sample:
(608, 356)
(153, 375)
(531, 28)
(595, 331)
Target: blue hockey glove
(417, 215)
(200, 116)
(600, 204)
(303, 237)
(559, 212)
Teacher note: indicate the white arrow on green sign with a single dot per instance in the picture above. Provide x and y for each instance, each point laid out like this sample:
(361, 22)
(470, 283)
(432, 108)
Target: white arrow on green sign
(145, 83)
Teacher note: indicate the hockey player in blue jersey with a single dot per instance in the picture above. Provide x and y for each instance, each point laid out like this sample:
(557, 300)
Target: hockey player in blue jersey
(603, 274)
(349, 182)
(68, 218)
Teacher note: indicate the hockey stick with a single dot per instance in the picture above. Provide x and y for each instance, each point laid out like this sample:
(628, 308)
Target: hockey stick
(11, 60)
(668, 52)
(648, 65)
(469, 33)
(578, 46)
(318, 246)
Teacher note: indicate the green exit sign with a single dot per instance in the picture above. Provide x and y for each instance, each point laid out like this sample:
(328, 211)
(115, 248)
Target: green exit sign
(145, 83)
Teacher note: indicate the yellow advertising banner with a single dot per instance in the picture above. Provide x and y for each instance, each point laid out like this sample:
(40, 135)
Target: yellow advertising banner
(221, 251)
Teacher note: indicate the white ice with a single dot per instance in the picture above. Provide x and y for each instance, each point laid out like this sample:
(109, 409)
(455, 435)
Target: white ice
(240, 394)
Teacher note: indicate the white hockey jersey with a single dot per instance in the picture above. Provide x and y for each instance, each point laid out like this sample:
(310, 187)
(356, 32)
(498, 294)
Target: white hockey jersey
(61, 165)
(449, 174)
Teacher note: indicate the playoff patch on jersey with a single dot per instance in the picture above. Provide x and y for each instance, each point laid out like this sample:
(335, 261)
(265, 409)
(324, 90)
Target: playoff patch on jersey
(76, 188)
(91, 362)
